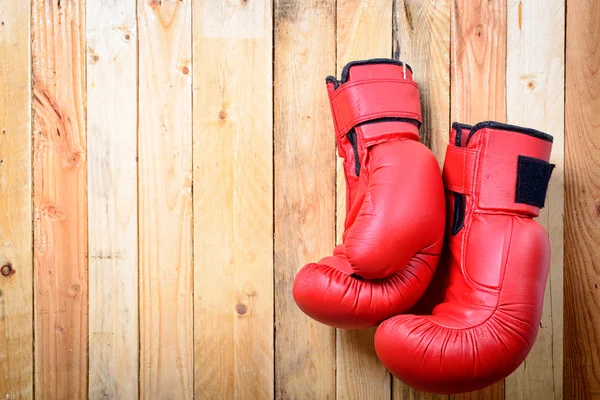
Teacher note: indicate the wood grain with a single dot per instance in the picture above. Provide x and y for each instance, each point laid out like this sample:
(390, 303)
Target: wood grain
(582, 203)
(60, 201)
(16, 288)
(478, 83)
(364, 30)
(401, 391)
(360, 374)
(304, 190)
(249, 127)
(165, 199)
(112, 198)
(233, 203)
(494, 392)
(421, 38)
(535, 98)
(478, 57)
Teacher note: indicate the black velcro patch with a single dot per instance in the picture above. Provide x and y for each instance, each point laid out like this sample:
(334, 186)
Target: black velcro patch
(533, 176)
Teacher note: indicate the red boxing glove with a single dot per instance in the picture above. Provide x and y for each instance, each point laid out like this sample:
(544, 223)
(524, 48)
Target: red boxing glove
(395, 209)
(495, 262)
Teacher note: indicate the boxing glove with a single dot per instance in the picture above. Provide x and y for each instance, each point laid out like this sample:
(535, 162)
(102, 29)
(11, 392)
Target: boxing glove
(495, 261)
(395, 213)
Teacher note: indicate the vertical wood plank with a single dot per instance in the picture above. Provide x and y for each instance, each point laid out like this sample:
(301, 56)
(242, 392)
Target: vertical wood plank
(478, 61)
(60, 202)
(112, 196)
(233, 202)
(165, 199)
(16, 289)
(478, 83)
(535, 98)
(364, 30)
(304, 190)
(421, 38)
(582, 207)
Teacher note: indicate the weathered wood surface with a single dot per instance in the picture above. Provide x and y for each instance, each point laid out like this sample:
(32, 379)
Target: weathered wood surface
(535, 98)
(304, 213)
(233, 206)
(16, 213)
(582, 203)
(165, 199)
(167, 166)
(111, 32)
(421, 38)
(59, 199)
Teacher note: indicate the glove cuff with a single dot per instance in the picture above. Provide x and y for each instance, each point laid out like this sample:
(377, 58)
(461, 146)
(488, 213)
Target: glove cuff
(379, 91)
(502, 167)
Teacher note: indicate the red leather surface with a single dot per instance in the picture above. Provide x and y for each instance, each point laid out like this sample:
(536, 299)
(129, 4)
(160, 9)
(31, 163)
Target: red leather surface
(459, 168)
(361, 101)
(492, 276)
(394, 219)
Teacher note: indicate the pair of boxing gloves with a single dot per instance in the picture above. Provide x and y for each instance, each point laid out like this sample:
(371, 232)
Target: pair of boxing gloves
(451, 265)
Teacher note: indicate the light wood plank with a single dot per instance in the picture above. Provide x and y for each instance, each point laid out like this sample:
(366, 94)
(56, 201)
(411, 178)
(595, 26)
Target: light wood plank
(535, 98)
(165, 199)
(112, 195)
(16, 288)
(421, 38)
(478, 83)
(478, 58)
(60, 201)
(364, 30)
(233, 202)
(582, 207)
(304, 190)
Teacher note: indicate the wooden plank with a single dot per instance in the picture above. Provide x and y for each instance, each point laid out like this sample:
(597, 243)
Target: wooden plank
(421, 38)
(360, 374)
(112, 196)
(478, 58)
(165, 199)
(494, 392)
(401, 391)
(478, 83)
(535, 98)
(582, 207)
(364, 30)
(16, 289)
(60, 201)
(233, 207)
(304, 190)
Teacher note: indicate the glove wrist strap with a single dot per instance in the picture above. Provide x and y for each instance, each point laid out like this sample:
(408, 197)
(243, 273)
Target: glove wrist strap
(354, 103)
(504, 168)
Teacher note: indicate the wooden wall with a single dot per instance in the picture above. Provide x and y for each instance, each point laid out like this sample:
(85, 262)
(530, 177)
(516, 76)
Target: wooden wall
(166, 166)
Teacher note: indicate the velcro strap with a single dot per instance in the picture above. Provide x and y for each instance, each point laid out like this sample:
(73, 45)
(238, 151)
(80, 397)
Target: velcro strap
(356, 102)
(459, 169)
(533, 175)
